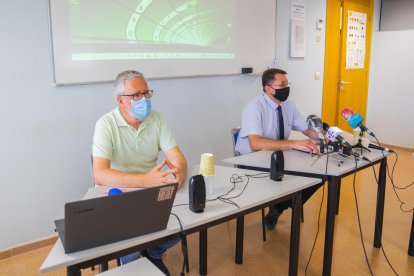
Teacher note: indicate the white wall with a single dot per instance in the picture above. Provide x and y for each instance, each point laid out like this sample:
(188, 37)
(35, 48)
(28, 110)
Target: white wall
(391, 86)
(47, 132)
(306, 92)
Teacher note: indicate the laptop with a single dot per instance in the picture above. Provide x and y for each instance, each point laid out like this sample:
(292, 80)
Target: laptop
(103, 220)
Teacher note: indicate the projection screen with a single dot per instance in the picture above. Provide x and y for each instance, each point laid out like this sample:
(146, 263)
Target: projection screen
(94, 40)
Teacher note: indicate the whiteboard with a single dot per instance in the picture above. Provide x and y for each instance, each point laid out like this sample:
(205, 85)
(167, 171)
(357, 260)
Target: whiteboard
(94, 40)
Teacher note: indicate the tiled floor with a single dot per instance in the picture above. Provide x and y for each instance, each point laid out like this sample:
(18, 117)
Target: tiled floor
(271, 257)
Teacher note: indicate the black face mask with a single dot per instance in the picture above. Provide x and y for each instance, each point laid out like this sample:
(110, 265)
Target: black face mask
(282, 94)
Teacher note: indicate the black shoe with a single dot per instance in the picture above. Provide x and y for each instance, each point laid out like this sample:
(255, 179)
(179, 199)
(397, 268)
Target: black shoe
(271, 218)
(157, 262)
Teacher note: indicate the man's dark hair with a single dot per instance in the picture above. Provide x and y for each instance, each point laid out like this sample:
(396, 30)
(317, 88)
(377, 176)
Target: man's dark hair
(269, 75)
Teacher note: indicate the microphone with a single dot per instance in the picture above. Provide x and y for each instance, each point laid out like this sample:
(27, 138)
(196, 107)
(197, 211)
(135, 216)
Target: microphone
(355, 120)
(346, 113)
(345, 148)
(374, 146)
(315, 124)
(333, 133)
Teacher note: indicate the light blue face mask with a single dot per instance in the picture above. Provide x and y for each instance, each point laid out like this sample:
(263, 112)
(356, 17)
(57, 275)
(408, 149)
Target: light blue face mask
(141, 109)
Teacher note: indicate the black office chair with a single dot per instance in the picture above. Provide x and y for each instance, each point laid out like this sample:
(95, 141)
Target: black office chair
(234, 135)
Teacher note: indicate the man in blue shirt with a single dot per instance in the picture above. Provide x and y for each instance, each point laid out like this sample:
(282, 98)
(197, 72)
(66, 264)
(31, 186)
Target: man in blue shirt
(266, 125)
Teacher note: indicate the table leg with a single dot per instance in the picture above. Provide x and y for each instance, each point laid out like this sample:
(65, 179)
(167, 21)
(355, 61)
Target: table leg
(333, 183)
(73, 270)
(203, 252)
(411, 245)
(379, 216)
(295, 234)
(239, 239)
(339, 196)
(103, 267)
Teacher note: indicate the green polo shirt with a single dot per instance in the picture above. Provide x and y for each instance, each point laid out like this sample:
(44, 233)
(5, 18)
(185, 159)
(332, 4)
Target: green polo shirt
(131, 150)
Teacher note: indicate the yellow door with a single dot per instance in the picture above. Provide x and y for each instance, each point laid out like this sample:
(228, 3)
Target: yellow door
(347, 54)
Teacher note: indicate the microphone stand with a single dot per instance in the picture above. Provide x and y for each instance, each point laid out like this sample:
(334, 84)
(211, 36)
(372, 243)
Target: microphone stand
(325, 146)
(359, 144)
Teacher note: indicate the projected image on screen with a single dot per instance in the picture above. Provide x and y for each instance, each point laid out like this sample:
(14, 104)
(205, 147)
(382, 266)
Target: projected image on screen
(151, 29)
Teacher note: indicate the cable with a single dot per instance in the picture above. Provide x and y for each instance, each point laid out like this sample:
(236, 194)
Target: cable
(183, 243)
(391, 177)
(359, 221)
(180, 205)
(317, 231)
(319, 214)
(377, 228)
(235, 179)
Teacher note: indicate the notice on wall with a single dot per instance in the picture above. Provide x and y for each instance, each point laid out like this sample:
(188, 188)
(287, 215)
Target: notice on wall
(298, 10)
(356, 40)
(298, 38)
(298, 28)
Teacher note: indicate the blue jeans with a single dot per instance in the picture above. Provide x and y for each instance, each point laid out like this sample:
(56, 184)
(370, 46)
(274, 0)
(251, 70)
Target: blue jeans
(155, 252)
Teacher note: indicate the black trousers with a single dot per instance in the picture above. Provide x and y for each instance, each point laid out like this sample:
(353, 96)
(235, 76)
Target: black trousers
(306, 194)
(280, 207)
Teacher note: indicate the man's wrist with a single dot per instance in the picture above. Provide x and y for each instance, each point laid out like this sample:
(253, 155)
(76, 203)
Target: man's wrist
(290, 144)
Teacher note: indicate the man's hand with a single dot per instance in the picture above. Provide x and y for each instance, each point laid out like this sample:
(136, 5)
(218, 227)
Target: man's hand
(306, 145)
(178, 176)
(176, 160)
(156, 177)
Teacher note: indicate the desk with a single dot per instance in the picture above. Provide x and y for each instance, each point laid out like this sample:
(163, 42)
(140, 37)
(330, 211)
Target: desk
(143, 265)
(303, 164)
(216, 212)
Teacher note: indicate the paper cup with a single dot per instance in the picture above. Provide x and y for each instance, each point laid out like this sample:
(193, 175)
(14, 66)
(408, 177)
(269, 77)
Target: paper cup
(207, 164)
(208, 180)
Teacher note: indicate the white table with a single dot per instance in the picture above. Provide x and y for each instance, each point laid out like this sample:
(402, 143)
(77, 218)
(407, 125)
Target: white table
(142, 266)
(216, 212)
(304, 164)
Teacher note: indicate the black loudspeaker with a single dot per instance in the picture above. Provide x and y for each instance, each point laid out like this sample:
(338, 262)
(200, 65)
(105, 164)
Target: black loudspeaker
(277, 165)
(197, 193)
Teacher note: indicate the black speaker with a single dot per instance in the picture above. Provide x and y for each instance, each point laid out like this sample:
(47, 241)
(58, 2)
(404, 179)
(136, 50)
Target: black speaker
(197, 193)
(277, 165)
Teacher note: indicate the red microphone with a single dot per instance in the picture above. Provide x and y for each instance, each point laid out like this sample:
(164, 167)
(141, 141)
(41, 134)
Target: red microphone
(347, 112)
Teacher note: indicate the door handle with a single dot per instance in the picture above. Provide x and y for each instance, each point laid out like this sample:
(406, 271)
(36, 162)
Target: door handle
(342, 83)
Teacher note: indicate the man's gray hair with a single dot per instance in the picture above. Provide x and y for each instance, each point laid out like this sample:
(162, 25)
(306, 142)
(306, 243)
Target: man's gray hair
(119, 84)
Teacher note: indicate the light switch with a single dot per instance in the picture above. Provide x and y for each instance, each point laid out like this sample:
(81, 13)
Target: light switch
(319, 24)
(317, 75)
(318, 37)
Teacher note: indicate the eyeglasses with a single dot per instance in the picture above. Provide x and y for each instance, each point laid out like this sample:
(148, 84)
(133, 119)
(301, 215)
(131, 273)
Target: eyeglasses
(283, 85)
(138, 96)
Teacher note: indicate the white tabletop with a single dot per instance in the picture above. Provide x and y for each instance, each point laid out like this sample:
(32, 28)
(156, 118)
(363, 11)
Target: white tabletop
(142, 266)
(298, 161)
(252, 196)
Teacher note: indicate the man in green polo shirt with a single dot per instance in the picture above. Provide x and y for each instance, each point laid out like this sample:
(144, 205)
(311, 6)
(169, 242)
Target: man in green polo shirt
(126, 145)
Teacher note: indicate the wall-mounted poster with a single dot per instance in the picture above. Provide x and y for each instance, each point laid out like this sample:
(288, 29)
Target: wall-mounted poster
(355, 40)
(298, 28)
